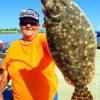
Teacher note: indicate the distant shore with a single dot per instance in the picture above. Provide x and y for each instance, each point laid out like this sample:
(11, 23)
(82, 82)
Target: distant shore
(10, 32)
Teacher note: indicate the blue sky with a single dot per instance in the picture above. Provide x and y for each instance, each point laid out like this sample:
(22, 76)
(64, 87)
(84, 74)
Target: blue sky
(10, 9)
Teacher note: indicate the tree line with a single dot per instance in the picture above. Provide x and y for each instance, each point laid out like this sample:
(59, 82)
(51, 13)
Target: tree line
(9, 30)
(15, 30)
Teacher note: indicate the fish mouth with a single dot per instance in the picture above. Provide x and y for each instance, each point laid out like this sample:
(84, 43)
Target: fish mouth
(46, 6)
(43, 2)
(47, 3)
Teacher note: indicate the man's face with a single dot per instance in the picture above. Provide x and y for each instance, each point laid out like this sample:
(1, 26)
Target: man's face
(29, 27)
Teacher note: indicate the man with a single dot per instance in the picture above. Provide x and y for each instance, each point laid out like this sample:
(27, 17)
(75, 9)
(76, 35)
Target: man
(29, 63)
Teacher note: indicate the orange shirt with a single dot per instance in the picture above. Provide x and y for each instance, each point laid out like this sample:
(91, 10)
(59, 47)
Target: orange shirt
(32, 70)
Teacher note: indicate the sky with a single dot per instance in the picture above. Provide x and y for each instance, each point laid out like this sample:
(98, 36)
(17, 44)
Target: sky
(10, 9)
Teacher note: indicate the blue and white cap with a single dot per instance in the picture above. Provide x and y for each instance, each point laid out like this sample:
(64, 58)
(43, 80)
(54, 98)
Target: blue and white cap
(29, 13)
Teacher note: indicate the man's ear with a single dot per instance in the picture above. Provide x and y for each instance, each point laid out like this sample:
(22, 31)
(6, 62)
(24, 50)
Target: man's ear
(38, 24)
(19, 24)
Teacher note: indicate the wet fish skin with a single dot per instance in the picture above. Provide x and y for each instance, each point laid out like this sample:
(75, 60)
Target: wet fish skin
(72, 42)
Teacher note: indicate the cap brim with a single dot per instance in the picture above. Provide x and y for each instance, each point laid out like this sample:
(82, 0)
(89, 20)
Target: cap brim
(21, 17)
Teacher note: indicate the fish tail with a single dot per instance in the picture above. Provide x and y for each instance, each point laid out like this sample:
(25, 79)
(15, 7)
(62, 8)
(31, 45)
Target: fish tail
(81, 94)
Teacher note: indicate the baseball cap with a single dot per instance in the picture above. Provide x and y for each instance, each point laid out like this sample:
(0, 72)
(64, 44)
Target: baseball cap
(29, 13)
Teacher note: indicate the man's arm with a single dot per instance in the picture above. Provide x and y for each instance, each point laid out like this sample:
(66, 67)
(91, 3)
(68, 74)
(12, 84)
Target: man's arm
(4, 78)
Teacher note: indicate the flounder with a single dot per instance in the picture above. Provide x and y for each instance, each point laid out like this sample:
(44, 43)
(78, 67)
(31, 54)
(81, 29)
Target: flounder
(72, 43)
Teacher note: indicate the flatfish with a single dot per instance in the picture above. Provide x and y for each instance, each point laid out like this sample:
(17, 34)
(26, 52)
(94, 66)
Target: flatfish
(72, 43)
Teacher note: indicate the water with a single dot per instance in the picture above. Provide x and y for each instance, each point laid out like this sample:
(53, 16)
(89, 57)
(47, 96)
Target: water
(9, 38)
(12, 37)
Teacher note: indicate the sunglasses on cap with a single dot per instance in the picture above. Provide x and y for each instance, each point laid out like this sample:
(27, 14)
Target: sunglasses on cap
(32, 23)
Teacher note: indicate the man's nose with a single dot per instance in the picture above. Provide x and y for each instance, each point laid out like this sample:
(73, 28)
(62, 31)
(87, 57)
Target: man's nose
(28, 25)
